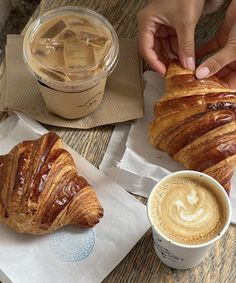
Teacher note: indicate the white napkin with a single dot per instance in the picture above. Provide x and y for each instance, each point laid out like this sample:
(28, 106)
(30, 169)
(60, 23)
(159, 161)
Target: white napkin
(70, 254)
(132, 161)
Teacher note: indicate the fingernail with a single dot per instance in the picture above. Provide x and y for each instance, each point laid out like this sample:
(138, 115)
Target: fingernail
(190, 63)
(202, 73)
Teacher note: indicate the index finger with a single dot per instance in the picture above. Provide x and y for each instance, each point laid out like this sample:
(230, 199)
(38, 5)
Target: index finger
(146, 41)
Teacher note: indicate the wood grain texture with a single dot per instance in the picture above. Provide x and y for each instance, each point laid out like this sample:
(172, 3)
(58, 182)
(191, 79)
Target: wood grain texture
(141, 264)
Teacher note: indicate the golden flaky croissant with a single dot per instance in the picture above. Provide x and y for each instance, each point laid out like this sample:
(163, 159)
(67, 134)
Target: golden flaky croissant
(195, 124)
(40, 189)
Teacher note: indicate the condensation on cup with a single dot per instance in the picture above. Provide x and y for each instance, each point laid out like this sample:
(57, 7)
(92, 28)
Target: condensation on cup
(71, 51)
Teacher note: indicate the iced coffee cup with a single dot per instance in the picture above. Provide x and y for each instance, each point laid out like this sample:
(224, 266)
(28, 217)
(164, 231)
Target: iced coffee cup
(71, 51)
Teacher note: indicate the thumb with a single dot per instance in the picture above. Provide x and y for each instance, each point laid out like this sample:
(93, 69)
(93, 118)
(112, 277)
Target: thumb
(220, 59)
(216, 62)
(185, 34)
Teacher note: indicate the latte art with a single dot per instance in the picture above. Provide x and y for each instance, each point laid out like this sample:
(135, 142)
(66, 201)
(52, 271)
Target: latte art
(186, 215)
(187, 210)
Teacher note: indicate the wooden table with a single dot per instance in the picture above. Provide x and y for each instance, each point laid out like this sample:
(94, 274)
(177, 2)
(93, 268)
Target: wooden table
(142, 264)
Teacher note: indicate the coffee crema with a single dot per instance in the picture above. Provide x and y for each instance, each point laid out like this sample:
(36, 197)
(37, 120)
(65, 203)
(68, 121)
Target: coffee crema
(188, 210)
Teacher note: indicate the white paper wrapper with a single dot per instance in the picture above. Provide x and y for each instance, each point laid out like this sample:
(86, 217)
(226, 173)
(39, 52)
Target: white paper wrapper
(70, 254)
(133, 162)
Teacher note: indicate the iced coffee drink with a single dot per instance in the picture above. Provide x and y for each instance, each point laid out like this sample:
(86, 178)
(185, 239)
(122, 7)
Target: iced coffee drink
(71, 51)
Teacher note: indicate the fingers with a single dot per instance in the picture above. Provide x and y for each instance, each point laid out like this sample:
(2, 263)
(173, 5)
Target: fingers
(147, 44)
(216, 62)
(167, 39)
(226, 39)
(186, 44)
(220, 59)
(167, 50)
(221, 39)
(154, 22)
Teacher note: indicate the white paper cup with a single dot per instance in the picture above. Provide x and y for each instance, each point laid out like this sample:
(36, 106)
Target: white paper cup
(183, 256)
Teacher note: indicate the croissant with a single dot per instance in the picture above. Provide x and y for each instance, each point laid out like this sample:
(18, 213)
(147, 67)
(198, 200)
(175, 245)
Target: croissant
(40, 189)
(195, 124)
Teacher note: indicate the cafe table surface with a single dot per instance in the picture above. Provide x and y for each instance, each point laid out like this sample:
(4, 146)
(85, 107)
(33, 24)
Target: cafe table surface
(142, 264)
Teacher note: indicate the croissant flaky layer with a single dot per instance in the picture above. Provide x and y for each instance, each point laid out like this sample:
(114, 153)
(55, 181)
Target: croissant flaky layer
(41, 190)
(195, 124)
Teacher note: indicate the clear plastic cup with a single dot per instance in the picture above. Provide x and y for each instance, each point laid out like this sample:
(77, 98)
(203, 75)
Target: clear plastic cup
(71, 51)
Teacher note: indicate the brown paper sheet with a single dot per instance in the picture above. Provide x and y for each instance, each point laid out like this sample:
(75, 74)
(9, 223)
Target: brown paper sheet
(122, 100)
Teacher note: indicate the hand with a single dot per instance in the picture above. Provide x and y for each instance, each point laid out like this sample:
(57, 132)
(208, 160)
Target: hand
(224, 61)
(166, 31)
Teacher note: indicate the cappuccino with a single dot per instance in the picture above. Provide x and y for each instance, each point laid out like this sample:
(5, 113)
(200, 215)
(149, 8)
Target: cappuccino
(188, 209)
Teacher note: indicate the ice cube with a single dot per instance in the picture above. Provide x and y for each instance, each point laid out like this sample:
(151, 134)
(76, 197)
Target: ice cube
(51, 45)
(50, 52)
(93, 39)
(77, 22)
(54, 30)
(80, 24)
(67, 34)
(78, 54)
(56, 75)
(46, 46)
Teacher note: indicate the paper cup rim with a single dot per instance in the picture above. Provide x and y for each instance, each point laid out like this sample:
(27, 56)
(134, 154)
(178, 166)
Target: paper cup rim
(212, 180)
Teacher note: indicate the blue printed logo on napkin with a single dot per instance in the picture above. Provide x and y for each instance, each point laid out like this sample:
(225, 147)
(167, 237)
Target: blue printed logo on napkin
(72, 243)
